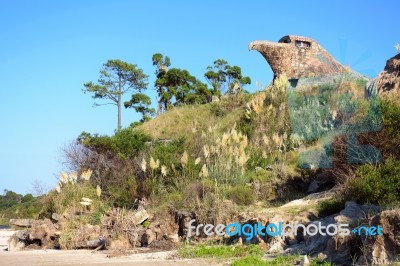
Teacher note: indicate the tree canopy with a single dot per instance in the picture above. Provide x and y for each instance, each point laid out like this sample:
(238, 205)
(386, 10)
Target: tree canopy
(117, 78)
(225, 78)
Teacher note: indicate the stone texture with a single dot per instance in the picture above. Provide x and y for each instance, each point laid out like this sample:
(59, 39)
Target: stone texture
(383, 249)
(297, 57)
(389, 79)
(44, 231)
(22, 222)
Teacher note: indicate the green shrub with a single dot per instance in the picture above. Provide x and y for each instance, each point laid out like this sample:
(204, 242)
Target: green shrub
(241, 195)
(391, 119)
(126, 143)
(331, 206)
(379, 185)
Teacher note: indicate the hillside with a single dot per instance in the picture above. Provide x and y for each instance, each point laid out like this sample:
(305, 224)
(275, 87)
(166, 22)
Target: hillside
(315, 147)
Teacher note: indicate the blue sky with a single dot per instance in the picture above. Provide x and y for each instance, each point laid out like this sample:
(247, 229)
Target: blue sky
(48, 49)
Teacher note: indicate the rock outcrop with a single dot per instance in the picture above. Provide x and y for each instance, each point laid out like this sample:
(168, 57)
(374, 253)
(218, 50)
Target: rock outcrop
(297, 57)
(389, 79)
(385, 249)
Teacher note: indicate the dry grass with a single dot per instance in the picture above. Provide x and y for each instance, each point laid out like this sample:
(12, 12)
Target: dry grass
(181, 121)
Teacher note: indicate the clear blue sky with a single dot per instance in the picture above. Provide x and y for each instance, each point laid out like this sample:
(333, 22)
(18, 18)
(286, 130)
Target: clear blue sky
(48, 49)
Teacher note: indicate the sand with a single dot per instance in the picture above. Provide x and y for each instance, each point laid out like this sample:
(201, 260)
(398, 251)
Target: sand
(4, 236)
(88, 257)
(98, 258)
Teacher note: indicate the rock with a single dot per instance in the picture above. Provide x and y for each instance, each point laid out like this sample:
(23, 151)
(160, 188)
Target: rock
(14, 244)
(297, 57)
(389, 79)
(276, 244)
(311, 244)
(94, 243)
(214, 99)
(44, 232)
(22, 222)
(174, 238)
(353, 212)
(341, 249)
(119, 244)
(55, 217)
(385, 249)
(140, 216)
(305, 261)
(182, 218)
(22, 235)
(148, 237)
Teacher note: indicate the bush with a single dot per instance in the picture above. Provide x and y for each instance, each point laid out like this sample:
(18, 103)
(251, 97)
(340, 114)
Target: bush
(241, 195)
(331, 206)
(126, 143)
(379, 185)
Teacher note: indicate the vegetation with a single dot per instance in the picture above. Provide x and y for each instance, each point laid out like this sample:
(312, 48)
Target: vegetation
(117, 78)
(331, 206)
(213, 159)
(378, 185)
(225, 78)
(13, 205)
(220, 251)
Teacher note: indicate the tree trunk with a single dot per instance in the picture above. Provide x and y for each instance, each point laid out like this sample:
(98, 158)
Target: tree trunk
(119, 112)
(119, 104)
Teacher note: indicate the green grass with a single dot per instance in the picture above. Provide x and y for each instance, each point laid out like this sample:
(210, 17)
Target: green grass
(277, 261)
(179, 121)
(220, 251)
(331, 206)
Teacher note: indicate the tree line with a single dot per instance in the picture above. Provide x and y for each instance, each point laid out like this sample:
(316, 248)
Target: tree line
(174, 86)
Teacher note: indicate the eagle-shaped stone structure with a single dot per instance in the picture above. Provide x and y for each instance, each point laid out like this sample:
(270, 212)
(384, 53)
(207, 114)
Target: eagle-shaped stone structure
(297, 57)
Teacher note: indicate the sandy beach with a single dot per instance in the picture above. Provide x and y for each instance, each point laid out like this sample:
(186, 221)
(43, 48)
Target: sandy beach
(5, 234)
(88, 257)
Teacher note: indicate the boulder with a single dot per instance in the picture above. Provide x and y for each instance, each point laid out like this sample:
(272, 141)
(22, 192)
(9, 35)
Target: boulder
(43, 232)
(148, 237)
(389, 79)
(14, 244)
(353, 213)
(55, 217)
(140, 216)
(385, 249)
(22, 222)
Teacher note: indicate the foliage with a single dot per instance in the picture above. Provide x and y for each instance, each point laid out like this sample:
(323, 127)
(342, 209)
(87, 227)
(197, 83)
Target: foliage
(225, 78)
(177, 86)
(126, 143)
(220, 251)
(377, 184)
(140, 103)
(117, 78)
(13, 205)
(241, 195)
(331, 206)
